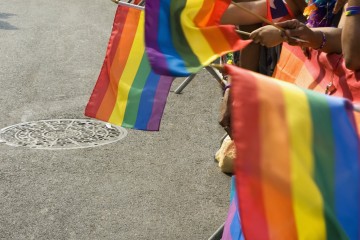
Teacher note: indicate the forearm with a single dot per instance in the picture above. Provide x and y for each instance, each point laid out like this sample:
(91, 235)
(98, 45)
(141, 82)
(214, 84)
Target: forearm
(350, 39)
(326, 39)
(333, 39)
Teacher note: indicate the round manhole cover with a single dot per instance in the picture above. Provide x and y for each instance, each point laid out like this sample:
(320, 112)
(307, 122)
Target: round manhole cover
(61, 134)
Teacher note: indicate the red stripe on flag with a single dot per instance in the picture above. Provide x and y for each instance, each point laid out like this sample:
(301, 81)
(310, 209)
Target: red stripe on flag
(219, 9)
(102, 83)
(118, 28)
(233, 38)
(122, 51)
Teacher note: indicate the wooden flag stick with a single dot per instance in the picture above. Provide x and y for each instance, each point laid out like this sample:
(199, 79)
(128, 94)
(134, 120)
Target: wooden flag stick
(219, 67)
(243, 32)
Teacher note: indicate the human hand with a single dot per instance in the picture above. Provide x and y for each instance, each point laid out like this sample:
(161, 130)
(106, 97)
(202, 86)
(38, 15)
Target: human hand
(268, 36)
(297, 33)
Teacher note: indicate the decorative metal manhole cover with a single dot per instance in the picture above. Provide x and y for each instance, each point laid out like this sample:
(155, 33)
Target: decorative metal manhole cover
(61, 134)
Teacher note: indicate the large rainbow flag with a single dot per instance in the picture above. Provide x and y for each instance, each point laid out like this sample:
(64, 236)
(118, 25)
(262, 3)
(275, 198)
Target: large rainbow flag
(128, 92)
(298, 164)
(183, 36)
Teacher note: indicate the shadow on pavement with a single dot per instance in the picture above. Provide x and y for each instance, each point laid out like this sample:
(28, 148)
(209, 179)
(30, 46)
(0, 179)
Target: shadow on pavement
(5, 25)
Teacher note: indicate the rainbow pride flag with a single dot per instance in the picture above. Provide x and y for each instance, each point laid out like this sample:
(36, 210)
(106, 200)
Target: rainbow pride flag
(298, 165)
(128, 93)
(183, 36)
(317, 72)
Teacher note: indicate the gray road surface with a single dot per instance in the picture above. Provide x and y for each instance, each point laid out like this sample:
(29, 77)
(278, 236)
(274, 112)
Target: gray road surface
(150, 185)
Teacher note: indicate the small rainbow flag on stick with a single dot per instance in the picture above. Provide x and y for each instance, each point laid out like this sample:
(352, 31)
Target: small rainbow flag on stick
(128, 92)
(297, 166)
(183, 36)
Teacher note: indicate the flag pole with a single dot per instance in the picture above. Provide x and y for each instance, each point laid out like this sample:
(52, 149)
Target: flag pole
(221, 69)
(128, 4)
(139, 6)
(243, 32)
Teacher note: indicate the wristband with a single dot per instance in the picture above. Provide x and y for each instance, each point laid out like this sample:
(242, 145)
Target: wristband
(353, 10)
(226, 87)
(323, 42)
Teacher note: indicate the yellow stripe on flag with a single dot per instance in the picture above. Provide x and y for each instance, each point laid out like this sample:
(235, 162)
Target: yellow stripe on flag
(275, 162)
(128, 76)
(307, 200)
(198, 43)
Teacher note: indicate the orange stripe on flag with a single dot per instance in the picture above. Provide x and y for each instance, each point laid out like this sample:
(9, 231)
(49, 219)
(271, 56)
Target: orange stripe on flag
(203, 16)
(275, 177)
(118, 64)
(288, 66)
(216, 39)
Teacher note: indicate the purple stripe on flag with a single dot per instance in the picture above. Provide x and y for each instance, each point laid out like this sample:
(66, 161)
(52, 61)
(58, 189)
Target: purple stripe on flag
(159, 102)
(151, 37)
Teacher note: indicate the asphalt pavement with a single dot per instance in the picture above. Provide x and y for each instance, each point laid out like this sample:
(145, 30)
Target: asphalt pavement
(148, 185)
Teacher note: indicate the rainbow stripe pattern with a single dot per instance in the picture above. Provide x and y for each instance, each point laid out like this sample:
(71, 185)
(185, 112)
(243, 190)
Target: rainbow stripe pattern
(128, 93)
(297, 166)
(183, 36)
(232, 227)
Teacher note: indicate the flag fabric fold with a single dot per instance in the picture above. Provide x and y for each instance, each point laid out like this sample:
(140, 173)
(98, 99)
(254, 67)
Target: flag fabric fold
(317, 72)
(128, 93)
(297, 166)
(183, 36)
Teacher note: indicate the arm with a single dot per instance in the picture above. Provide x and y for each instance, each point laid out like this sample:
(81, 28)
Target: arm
(270, 36)
(333, 39)
(236, 16)
(351, 38)
(313, 36)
